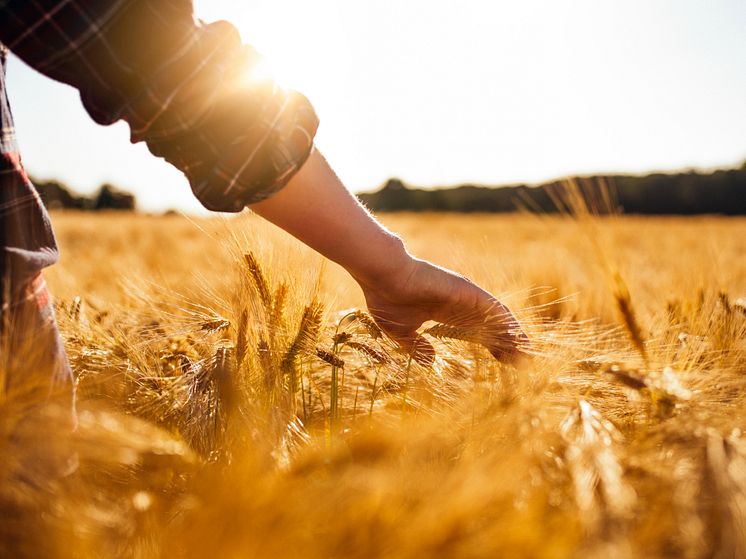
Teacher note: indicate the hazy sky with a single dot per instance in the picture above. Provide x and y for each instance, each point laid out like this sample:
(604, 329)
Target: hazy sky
(439, 92)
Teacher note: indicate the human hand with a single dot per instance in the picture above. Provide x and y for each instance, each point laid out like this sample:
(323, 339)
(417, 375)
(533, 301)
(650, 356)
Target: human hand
(420, 291)
(402, 292)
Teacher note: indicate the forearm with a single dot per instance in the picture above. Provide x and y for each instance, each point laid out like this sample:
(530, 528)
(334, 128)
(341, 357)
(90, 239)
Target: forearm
(316, 208)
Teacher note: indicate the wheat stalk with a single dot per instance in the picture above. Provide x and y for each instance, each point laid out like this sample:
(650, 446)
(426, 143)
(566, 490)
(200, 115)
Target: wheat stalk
(378, 356)
(631, 378)
(664, 386)
(329, 357)
(370, 325)
(213, 325)
(223, 374)
(305, 339)
(332, 359)
(242, 338)
(364, 319)
(446, 331)
(629, 319)
(600, 490)
(259, 280)
(279, 300)
(76, 308)
(342, 338)
(308, 332)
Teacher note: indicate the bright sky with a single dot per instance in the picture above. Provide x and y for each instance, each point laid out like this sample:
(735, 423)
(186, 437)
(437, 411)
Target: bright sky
(441, 92)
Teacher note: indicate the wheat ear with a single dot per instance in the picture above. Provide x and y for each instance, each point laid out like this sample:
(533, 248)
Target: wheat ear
(259, 279)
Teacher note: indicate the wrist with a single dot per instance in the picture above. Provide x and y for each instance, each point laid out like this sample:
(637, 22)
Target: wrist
(381, 263)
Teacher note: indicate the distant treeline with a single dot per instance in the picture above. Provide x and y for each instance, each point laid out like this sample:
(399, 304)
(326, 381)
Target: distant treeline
(719, 192)
(687, 193)
(56, 195)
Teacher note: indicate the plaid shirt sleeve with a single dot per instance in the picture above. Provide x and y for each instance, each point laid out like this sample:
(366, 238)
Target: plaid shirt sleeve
(184, 87)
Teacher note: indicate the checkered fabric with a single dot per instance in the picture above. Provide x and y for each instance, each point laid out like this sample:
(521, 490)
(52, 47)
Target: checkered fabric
(32, 354)
(184, 87)
(188, 89)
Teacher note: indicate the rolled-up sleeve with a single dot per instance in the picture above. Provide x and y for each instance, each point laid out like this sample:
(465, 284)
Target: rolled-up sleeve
(192, 91)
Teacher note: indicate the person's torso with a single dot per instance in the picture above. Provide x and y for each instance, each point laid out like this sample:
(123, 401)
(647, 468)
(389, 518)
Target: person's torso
(27, 244)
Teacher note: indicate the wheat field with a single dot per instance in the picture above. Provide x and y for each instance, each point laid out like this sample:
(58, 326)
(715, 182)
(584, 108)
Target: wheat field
(236, 401)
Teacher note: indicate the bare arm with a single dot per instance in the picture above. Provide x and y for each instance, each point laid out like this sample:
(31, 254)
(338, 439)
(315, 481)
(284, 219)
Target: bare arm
(401, 291)
(318, 209)
(180, 85)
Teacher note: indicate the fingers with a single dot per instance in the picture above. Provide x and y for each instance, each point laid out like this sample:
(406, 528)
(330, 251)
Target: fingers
(481, 318)
(509, 348)
(505, 339)
(443, 296)
(411, 342)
